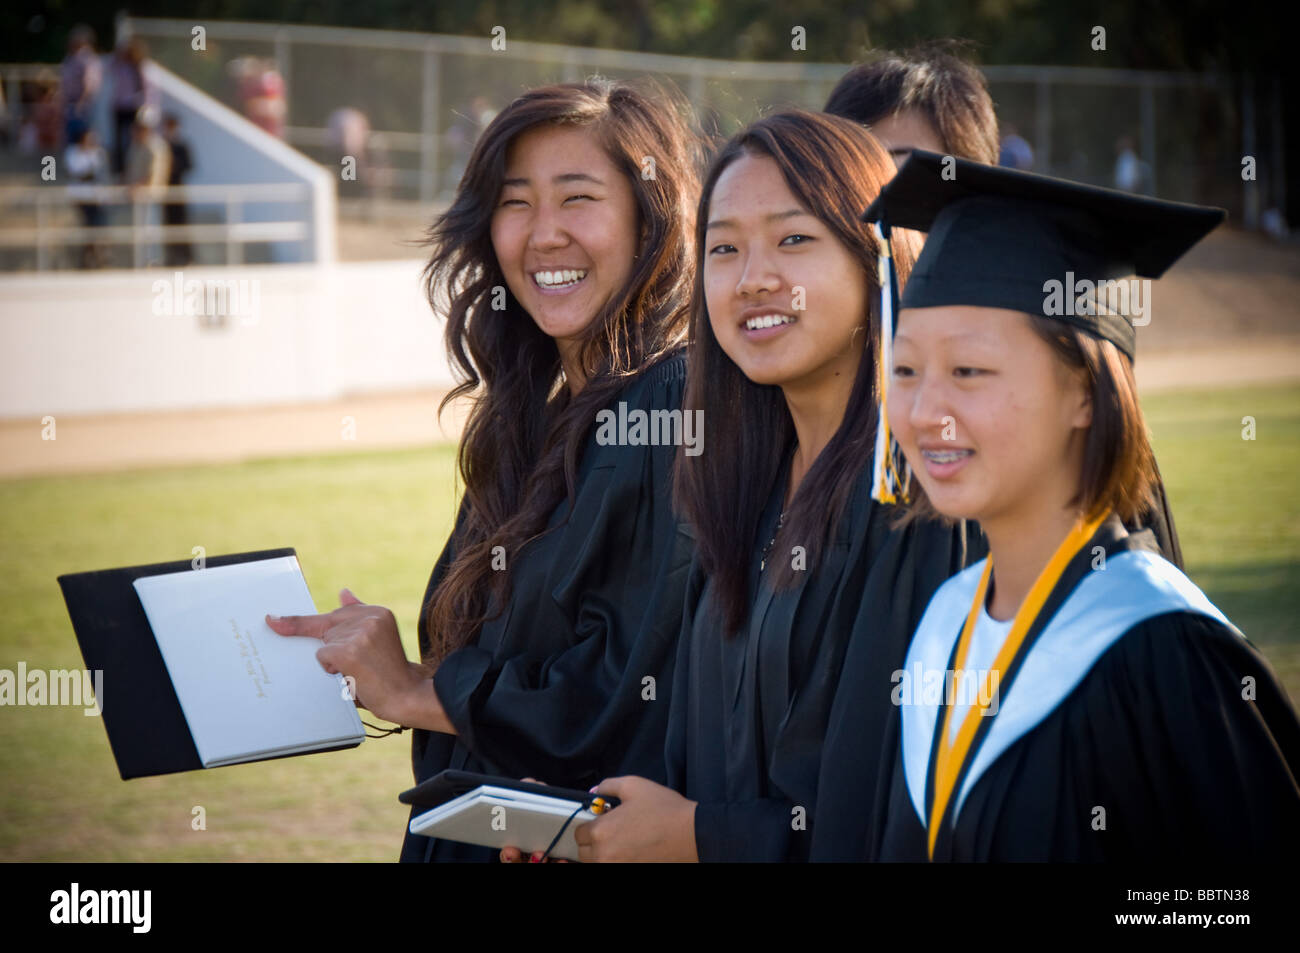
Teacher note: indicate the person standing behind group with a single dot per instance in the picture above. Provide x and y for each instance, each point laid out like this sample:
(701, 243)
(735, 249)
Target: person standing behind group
(794, 553)
(931, 99)
(550, 620)
(926, 98)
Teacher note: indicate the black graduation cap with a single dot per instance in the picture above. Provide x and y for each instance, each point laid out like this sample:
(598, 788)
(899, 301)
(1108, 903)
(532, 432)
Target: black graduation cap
(1000, 237)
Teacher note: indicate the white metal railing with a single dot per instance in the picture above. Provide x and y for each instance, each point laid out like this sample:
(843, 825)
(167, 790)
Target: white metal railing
(46, 235)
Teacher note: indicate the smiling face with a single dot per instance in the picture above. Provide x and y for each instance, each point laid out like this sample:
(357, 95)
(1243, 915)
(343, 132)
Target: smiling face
(761, 246)
(904, 131)
(565, 230)
(992, 422)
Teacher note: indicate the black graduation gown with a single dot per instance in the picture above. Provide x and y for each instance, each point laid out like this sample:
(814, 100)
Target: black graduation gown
(854, 788)
(554, 688)
(1157, 752)
(1159, 519)
(749, 712)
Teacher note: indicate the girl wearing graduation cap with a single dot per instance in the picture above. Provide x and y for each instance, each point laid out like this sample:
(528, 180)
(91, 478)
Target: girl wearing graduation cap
(564, 265)
(793, 552)
(1074, 696)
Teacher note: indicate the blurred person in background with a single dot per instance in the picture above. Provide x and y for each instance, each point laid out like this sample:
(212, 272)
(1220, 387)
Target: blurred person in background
(926, 98)
(131, 92)
(41, 131)
(87, 165)
(462, 134)
(1016, 153)
(81, 76)
(179, 251)
(1131, 173)
(261, 92)
(347, 138)
(148, 165)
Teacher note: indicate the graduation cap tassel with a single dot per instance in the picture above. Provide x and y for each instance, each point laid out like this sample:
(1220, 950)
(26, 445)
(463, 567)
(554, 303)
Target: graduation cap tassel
(887, 486)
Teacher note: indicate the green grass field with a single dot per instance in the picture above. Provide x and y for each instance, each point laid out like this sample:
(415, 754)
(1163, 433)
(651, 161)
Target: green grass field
(375, 522)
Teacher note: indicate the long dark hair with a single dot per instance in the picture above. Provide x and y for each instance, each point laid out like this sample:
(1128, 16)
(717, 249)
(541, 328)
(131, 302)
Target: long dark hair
(835, 169)
(521, 444)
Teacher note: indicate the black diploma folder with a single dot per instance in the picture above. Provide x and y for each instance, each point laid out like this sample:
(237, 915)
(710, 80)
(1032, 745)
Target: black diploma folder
(142, 715)
(449, 784)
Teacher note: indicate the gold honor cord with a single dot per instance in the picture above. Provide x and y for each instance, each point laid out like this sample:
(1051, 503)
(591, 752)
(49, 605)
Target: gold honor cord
(951, 757)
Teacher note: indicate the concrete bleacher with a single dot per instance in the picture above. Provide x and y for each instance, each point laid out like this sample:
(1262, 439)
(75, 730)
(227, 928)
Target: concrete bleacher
(296, 223)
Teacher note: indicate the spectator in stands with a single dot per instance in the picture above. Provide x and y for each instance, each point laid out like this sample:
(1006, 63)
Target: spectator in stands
(148, 163)
(179, 251)
(41, 132)
(261, 92)
(1131, 173)
(347, 138)
(1015, 153)
(80, 80)
(86, 165)
(132, 91)
(148, 166)
(462, 134)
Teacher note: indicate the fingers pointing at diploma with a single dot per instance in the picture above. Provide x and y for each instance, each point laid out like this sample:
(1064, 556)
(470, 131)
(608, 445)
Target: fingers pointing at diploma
(361, 642)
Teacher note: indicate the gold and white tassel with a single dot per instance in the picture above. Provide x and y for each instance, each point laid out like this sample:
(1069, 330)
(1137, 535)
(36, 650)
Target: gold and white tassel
(890, 476)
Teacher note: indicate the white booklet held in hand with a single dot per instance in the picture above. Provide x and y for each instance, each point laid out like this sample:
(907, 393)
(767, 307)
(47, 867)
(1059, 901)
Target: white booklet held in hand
(499, 817)
(247, 693)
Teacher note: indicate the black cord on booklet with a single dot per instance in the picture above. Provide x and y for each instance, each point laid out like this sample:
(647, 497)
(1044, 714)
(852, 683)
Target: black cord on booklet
(383, 732)
(598, 805)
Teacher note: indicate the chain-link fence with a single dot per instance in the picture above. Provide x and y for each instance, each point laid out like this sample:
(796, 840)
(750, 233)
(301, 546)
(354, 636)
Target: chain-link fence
(412, 104)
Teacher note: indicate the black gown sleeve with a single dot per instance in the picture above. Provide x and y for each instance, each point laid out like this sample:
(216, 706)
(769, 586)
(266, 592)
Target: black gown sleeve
(1159, 518)
(420, 737)
(862, 737)
(748, 831)
(567, 717)
(675, 734)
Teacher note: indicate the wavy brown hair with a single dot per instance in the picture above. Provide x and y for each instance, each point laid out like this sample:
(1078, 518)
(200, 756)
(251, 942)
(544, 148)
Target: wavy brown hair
(522, 441)
(933, 79)
(835, 169)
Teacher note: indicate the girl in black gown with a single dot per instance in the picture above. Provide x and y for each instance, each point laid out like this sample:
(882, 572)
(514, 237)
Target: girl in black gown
(794, 553)
(1074, 696)
(550, 621)
(559, 665)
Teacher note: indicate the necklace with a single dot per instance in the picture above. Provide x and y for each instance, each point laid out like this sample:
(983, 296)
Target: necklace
(780, 520)
(762, 559)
